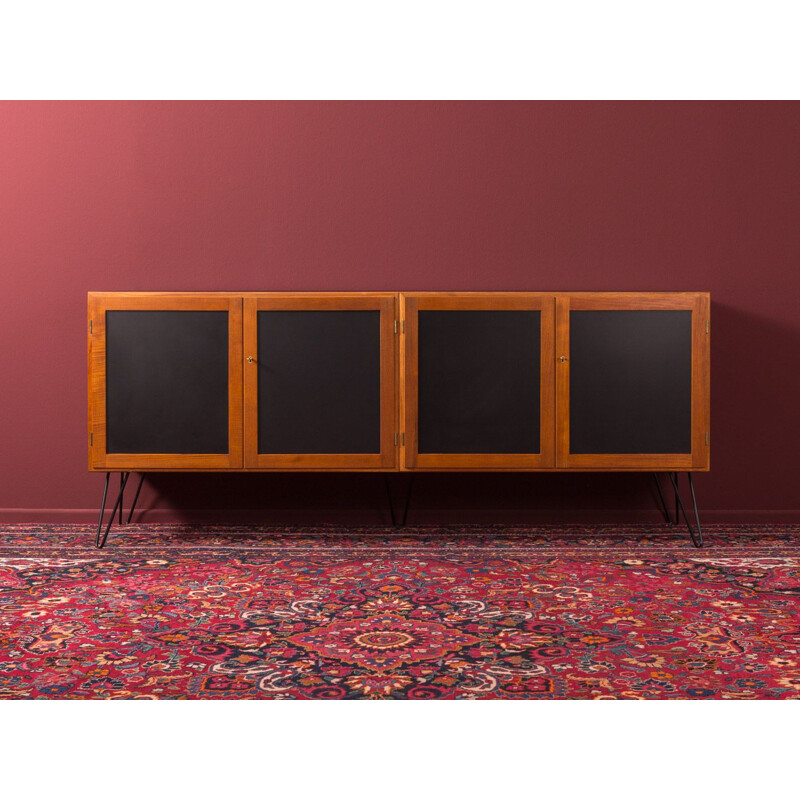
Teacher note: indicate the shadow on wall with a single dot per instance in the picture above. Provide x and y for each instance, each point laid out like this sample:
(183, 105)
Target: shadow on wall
(436, 498)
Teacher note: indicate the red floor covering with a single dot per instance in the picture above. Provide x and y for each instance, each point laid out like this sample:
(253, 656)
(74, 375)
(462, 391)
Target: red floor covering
(594, 612)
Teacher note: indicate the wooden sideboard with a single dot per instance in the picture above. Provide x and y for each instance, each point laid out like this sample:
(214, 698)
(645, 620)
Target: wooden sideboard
(399, 381)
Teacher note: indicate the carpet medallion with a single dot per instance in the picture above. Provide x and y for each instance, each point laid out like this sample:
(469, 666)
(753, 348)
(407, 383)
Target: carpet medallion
(170, 611)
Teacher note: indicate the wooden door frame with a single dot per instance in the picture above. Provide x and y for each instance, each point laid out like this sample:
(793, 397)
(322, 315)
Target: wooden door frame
(410, 305)
(98, 304)
(696, 302)
(383, 302)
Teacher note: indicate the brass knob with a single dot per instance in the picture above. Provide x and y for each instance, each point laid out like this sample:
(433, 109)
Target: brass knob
(250, 359)
(563, 359)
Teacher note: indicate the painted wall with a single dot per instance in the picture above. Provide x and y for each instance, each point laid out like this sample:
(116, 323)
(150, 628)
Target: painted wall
(384, 195)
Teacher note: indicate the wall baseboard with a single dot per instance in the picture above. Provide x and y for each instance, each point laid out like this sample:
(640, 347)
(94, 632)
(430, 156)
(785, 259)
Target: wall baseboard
(422, 516)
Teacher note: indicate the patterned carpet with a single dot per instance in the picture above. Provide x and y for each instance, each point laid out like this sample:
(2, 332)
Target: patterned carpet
(169, 611)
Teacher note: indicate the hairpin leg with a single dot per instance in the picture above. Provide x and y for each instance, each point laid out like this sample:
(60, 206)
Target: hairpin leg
(694, 506)
(135, 498)
(102, 508)
(677, 498)
(121, 495)
(697, 535)
(123, 479)
(389, 497)
(661, 498)
(391, 501)
(408, 498)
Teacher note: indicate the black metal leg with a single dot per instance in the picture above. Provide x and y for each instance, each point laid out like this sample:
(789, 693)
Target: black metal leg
(677, 498)
(389, 497)
(100, 541)
(391, 500)
(408, 499)
(102, 508)
(697, 536)
(694, 505)
(135, 498)
(661, 498)
(121, 495)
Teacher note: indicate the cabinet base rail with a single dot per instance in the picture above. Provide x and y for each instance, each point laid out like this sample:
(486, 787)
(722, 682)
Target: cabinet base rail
(696, 532)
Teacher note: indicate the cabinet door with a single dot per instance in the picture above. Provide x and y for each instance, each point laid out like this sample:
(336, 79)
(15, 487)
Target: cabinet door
(165, 381)
(479, 381)
(320, 381)
(632, 381)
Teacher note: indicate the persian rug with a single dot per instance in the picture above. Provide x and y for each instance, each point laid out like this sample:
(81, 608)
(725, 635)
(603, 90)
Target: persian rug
(171, 611)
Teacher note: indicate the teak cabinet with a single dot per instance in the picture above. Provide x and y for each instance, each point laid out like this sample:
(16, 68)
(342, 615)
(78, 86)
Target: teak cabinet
(387, 381)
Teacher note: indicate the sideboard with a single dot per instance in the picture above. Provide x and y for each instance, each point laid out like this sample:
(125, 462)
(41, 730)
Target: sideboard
(399, 382)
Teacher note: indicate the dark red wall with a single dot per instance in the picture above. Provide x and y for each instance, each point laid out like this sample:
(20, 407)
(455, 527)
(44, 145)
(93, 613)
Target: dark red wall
(390, 195)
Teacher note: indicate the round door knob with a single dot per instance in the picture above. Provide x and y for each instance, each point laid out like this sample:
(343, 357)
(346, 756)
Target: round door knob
(250, 359)
(563, 359)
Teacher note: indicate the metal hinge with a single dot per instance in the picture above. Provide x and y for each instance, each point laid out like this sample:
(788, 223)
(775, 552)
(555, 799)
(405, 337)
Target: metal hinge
(706, 438)
(404, 326)
(706, 326)
(90, 326)
(91, 440)
(395, 439)
(395, 326)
